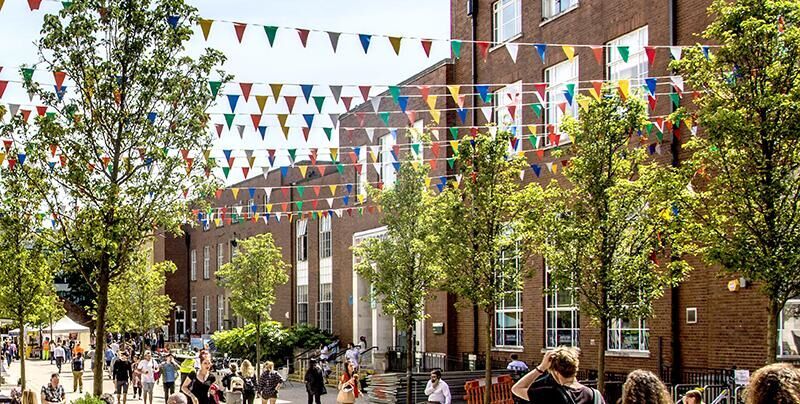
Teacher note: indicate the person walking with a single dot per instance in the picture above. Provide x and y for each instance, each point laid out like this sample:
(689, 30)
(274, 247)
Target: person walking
(437, 389)
(248, 374)
(77, 373)
(315, 383)
(352, 354)
(269, 383)
(148, 368)
(644, 387)
(137, 378)
(553, 381)
(169, 373)
(59, 355)
(46, 349)
(53, 392)
(348, 385)
(121, 374)
(108, 357)
(198, 383)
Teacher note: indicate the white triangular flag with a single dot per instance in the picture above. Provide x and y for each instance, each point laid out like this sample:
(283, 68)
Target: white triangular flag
(268, 190)
(549, 166)
(493, 131)
(240, 128)
(338, 212)
(334, 119)
(677, 81)
(13, 108)
(376, 103)
(521, 175)
(487, 113)
(330, 202)
(377, 167)
(512, 49)
(435, 133)
(370, 133)
(337, 92)
(676, 52)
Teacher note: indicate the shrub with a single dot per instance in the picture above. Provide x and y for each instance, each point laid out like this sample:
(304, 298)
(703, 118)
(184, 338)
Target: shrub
(277, 343)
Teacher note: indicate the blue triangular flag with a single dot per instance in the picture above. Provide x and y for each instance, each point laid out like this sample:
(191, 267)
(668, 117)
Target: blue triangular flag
(173, 21)
(148, 161)
(284, 171)
(309, 119)
(440, 187)
(393, 132)
(568, 96)
(651, 85)
(349, 188)
(52, 164)
(403, 102)
(536, 169)
(443, 180)
(253, 208)
(271, 160)
(233, 99)
(357, 151)
(483, 91)
(60, 92)
(227, 154)
(396, 165)
(462, 114)
(263, 131)
(365, 38)
(21, 158)
(306, 90)
(346, 199)
(706, 49)
(151, 117)
(252, 192)
(541, 48)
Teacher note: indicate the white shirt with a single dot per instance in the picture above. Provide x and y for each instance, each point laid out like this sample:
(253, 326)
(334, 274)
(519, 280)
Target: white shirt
(440, 393)
(148, 369)
(518, 366)
(59, 352)
(352, 355)
(115, 348)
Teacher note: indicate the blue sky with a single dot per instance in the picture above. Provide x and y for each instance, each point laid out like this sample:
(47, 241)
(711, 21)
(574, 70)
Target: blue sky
(287, 61)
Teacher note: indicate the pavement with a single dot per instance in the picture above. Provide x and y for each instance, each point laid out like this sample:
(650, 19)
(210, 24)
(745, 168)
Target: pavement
(38, 374)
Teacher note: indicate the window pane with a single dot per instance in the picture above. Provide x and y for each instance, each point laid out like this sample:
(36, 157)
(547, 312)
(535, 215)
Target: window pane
(789, 328)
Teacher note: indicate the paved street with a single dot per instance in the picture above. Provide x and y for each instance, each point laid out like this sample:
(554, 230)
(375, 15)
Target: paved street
(38, 374)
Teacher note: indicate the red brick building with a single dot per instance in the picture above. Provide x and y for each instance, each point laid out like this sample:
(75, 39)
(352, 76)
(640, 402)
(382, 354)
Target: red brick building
(700, 324)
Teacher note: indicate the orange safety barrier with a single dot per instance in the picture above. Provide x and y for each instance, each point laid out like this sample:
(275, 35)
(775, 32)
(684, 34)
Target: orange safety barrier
(501, 390)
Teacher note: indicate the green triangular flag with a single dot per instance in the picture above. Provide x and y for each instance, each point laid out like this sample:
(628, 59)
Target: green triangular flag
(415, 147)
(328, 132)
(659, 136)
(624, 51)
(319, 100)
(300, 190)
(50, 115)
(215, 85)
(676, 99)
(271, 31)
(340, 168)
(27, 74)
(385, 118)
(226, 171)
(456, 45)
(650, 127)
(164, 151)
(66, 4)
(537, 109)
(229, 119)
(395, 92)
(361, 211)
(292, 154)
(532, 139)
(451, 161)
(299, 205)
(454, 133)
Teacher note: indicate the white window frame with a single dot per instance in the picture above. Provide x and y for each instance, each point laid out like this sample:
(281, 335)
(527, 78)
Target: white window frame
(234, 249)
(220, 255)
(786, 336)
(206, 313)
(503, 98)
(302, 304)
(325, 311)
(617, 330)
(250, 203)
(388, 176)
(361, 178)
(220, 312)
(557, 78)
(554, 8)
(502, 311)
(302, 240)
(193, 267)
(636, 69)
(325, 237)
(194, 314)
(554, 306)
(206, 262)
(506, 20)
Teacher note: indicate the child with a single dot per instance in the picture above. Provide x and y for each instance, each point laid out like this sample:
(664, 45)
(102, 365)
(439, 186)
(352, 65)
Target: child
(137, 379)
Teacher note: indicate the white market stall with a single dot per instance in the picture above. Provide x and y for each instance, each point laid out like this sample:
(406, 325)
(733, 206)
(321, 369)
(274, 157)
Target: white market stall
(65, 328)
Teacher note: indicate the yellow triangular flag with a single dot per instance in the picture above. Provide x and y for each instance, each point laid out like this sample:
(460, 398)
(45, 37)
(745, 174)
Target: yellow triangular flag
(454, 145)
(532, 128)
(454, 91)
(276, 90)
(395, 40)
(427, 182)
(334, 153)
(415, 163)
(594, 94)
(333, 189)
(251, 160)
(269, 207)
(235, 192)
(303, 170)
(205, 25)
(624, 88)
(262, 101)
(436, 115)
(688, 122)
(584, 103)
(282, 120)
(555, 168)
(431, 101)
(217, 222)
(569, 51)
(2, 157)
(374, 156)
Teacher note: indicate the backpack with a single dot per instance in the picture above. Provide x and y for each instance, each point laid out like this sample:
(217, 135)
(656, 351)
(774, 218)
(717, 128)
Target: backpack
(248, 384)
(77, 365)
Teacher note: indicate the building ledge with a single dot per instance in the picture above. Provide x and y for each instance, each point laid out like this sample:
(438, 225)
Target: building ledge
(628, 354)
(508, 349)
(559, 15)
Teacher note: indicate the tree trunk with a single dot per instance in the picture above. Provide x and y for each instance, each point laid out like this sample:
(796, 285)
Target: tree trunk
(409, 361)
(100, 332)
(601, 356)
(22, 352)
(258, 347)
(487, 394)
(772, 330)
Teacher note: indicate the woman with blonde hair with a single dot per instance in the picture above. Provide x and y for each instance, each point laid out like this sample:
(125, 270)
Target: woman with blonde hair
(693, 397)
(778, 383)
(269, 383)
(248, 374)
(643, 387)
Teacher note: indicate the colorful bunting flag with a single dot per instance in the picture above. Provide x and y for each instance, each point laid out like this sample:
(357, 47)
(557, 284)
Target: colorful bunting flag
(205, 26)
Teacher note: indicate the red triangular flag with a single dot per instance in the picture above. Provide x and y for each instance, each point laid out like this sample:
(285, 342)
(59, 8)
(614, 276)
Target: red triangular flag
(316, 189)
(303, 36)
(219, 127)
(285, 192)
(34, 4)
(245, 171)
(426, 46)
(290, 99)
(321, 170)
(651, 54)
(512, 110)
(540, 89)
(425, 92)
(59, 76)
(540, 153)
(652, 101)
(598, 54)
(26, 113)
(598, 87)
(412, 117)
(306, 132)
(347, 101)
(3, 85)
(563, 107)
(435, 150)
(432, 163)
(239, 28)
(256, 118)
(41, 110)
(364, 92)
(246, 87)
(483, 48)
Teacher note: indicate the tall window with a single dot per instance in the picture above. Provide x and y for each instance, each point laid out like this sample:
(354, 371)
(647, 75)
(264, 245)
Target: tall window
(194, 314)
(326, 306)
(302, 304)
(325, 237)
(559, 78)
(508, 314)
(635, 68)
(387, 160)
(507, 100)
(220, 312)
(789, 329)
(628, 335)
(562, 323)
(302, 240)
(206, 262)
(220, 256)
(193, 269)
(206, 314)
(506, 20)
(234, 248)
(553, 8)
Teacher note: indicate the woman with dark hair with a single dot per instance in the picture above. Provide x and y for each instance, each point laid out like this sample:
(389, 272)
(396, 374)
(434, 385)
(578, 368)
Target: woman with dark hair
(643, 387)
(778, 383)
(348, 385)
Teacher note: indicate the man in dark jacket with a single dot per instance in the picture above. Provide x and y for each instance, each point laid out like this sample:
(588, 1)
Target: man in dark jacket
(122, 373)
(315, 383)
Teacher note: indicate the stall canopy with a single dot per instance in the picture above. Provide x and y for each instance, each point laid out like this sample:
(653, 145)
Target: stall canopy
(64, 326)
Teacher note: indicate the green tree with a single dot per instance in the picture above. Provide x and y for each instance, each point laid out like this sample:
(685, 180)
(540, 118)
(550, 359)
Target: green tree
(608, 234)
(122, 137)
(398, 266)
(478, 229)
(745, 165)
(27, 292)
(136, 299)
(252, 276)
